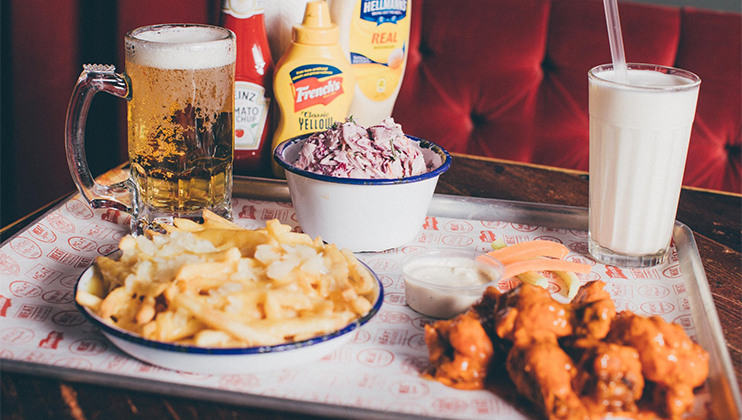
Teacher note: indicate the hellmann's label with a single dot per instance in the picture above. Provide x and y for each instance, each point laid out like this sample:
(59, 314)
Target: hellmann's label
(378, 44)
(315, 84)
(380, 11)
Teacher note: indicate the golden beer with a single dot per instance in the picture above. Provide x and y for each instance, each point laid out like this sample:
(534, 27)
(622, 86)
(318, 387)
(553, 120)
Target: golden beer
(180, 120)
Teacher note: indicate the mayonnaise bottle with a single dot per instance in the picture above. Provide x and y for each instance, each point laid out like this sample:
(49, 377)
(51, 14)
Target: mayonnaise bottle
(374, 35)
(313, 82)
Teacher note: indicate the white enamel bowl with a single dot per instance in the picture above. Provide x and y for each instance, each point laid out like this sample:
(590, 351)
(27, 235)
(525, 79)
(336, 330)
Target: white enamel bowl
(361, 214)
(224, 360)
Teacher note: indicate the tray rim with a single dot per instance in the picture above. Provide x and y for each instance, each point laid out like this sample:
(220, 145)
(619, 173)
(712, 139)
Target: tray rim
(441, 206)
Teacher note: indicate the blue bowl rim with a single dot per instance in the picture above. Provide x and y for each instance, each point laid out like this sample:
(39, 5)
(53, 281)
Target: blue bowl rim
(230, 351)
(424, 144)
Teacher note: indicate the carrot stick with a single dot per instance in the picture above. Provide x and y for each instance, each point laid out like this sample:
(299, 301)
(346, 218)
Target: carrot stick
(529, 250)
(543, 264)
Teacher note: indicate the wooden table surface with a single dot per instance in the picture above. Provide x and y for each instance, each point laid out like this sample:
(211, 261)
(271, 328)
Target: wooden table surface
(715, 218)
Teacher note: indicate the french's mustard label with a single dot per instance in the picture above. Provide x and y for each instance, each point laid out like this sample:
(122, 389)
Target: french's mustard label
(315, 84)
(378, 44)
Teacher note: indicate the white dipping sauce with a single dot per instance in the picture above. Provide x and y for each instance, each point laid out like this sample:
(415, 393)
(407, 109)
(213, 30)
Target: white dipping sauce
(445, 283)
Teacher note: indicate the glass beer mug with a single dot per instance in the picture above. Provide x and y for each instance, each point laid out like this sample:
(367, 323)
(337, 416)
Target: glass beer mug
(179, 84)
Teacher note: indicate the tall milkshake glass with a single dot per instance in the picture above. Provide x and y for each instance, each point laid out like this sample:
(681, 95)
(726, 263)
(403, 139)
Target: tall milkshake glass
(639, 134)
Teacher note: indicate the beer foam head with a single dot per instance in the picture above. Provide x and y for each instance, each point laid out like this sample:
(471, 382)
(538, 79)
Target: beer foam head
(186, 47)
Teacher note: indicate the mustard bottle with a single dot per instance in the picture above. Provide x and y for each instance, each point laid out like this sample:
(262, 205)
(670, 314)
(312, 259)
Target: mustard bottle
(313, 83)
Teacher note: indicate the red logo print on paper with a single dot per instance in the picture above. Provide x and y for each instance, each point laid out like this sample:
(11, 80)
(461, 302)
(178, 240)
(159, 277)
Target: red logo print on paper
(5, 304)
(625, 305)
(8, 266)
(60, 223)
(409, 388)
(653, 291)
(25, 289)
(524, 228)
(111, 216)
(270, 214)
(457, 240)
(672, 272)
(31, 312)
(26, 247)
(75, 363)
(381, 264)
(458, 226)
(579, 247)
(16, 335)
(413, 365)
(390, 337)
(43, 274)
(620, 290)
(421, 322)
(657, 308)
(614, 272)
(78, 243)
(362, 336)
(494, 225)
(59, 296)
(646, 273)
(68, 258)
(375, 357)
(548, 238)
(52, 340)
(417, 342)
(487, 236)
(248, 212)
(88, 346)
(450, 405)
(685, 321)
(395, 299)
(68, 318)
(42, 233)
(97, 231)
(392, 317)
(431, 223)
(684, 304)
(239, 382)
(79, 209)
(107, 249)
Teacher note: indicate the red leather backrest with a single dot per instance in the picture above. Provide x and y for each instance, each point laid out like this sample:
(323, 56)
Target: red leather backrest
(508, 78)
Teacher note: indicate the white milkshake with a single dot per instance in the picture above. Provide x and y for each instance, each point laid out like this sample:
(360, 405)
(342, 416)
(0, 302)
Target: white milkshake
(639, 134)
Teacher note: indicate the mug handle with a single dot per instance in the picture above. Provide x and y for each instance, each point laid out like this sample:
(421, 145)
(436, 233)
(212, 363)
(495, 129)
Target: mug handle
(93, 79)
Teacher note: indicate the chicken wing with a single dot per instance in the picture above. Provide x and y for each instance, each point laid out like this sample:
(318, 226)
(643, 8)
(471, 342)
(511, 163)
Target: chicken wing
(459, 351)
(610, 378)
(543, 373)
(668, 357)
(529, 313)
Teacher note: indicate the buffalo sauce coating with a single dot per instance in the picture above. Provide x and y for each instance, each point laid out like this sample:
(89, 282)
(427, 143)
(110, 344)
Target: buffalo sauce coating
(460, 351)
(615, 354)
(668, 357)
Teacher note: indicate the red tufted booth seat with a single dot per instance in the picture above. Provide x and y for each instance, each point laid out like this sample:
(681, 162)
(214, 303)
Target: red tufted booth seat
(502, 78)
(508, 78)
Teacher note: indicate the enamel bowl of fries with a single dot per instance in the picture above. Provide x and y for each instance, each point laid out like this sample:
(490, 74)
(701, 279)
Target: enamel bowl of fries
(218, 298)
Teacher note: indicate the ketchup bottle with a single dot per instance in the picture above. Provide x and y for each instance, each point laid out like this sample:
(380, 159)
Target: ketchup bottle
(253, 89)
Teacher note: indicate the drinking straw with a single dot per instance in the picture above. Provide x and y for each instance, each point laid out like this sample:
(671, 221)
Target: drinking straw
(616, 40)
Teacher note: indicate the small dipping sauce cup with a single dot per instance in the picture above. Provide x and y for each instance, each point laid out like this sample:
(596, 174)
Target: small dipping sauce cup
(443, 283)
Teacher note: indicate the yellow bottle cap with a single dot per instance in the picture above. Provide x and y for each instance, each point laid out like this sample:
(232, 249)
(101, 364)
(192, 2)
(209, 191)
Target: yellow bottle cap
(317, 27)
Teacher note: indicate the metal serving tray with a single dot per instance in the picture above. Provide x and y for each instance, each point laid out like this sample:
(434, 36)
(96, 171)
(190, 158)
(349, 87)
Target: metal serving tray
(722, 387)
